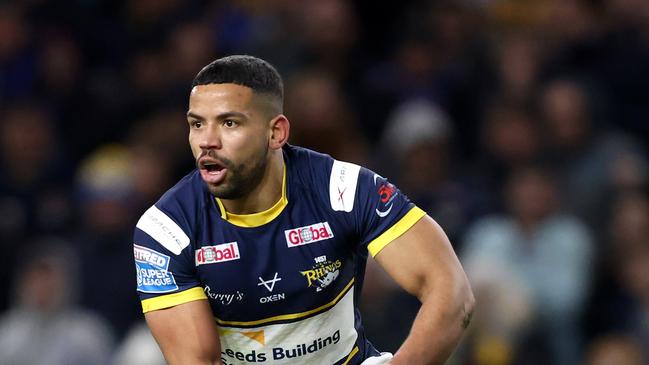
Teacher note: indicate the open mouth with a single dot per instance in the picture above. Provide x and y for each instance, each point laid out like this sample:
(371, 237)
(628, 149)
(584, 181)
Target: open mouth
(212, 167)
(212, 171)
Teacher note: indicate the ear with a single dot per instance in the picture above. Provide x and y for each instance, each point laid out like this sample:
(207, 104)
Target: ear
(279, 131)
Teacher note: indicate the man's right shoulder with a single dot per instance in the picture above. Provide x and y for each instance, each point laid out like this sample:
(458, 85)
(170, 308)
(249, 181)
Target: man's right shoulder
(170, 220)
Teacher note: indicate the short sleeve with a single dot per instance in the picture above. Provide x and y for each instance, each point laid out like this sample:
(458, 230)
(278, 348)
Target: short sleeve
(378, 211)
(166, 274)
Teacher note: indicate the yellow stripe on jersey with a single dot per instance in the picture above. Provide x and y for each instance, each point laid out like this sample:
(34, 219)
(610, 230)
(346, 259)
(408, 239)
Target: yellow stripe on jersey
(170, 300)
(351, 355)
(256, 219)
(283, 317)
(395, 231)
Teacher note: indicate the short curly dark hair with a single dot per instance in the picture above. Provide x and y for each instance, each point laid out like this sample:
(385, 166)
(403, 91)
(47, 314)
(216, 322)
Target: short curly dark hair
(244, 70)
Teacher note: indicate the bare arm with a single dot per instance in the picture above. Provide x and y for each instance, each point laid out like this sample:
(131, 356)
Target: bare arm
(422, 261)
(186, 333)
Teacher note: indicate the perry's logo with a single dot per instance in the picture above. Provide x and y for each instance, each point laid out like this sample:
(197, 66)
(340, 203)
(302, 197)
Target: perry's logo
(387, 192)
(323, 273)
(308, 234)
(219, 253)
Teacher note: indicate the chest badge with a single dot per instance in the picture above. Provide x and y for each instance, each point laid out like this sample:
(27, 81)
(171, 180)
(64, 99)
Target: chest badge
(323, 273)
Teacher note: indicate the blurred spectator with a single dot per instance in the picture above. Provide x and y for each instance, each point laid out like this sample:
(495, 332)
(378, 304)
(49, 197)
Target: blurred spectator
(416, 152)
(412, 72)
(510, 138)
(32, 162)
(193, 43)
(60, 68)
(138, 347)
(107, 201)
(34, 194)
(614, 350)
(163, 131)
(530, 269)
(17, 55)
(320, 114)
(629, 247)
(590, 163)
(44, 326)
(260, 28)
(519, 58)
(328, 34)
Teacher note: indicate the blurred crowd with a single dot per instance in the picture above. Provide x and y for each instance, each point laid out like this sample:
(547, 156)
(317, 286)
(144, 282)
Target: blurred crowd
(521, 126)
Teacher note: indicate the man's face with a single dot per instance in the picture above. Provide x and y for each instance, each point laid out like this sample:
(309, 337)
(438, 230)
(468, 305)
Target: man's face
(228, 134)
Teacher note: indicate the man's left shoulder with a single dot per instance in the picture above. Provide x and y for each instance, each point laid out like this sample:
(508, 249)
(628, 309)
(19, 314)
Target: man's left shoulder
(336, 181)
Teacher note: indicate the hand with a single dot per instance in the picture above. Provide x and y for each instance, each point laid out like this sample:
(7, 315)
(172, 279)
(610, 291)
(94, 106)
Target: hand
(384, 359)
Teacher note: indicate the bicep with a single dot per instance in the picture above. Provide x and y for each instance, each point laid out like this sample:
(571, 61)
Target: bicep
(422, 259)
(186, 333)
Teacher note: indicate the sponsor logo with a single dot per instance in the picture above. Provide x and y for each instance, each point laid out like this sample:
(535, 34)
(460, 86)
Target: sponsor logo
(257, 336)
(225, 299)
(270, 285)
(323, 273)
(219, 253)
(342, 185)
(302, 349)
(387, 192)
(308, 234)
(152, 271)
(229, 356)
(163, 229)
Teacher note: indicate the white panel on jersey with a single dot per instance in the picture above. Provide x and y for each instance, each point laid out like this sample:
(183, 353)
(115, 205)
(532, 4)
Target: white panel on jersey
(322, 339)
(163, 229)
(342, 185)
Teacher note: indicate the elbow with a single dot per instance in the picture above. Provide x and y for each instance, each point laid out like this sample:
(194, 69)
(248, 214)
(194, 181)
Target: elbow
(467, 304)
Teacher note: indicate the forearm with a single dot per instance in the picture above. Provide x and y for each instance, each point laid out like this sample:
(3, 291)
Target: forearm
(437, 328)
(187, 334)
(186, 360)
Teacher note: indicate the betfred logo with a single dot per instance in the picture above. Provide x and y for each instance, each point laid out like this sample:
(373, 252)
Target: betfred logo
(219, 253)
(146, 255)
(308, 234)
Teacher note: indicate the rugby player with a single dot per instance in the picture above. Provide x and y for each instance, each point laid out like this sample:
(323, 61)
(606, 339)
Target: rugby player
(258, 255)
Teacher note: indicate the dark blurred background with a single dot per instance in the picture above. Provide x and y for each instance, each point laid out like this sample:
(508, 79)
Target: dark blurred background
(521, 126)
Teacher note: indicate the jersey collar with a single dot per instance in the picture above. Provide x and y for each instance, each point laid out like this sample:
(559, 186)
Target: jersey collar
(256, 219)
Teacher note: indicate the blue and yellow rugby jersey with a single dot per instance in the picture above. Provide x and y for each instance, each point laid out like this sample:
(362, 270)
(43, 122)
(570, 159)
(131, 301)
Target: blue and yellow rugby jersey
(283, 284)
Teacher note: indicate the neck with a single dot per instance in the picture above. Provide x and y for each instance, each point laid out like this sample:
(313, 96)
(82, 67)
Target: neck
(267, 192)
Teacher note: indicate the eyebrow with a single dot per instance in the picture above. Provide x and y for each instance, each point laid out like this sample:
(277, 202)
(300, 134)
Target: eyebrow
(195, 116)
(221, 116)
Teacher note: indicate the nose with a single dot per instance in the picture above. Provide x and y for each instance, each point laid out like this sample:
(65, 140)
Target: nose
(210, 137)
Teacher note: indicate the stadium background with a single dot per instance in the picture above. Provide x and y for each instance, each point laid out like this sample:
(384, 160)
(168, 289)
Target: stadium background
(521, 126)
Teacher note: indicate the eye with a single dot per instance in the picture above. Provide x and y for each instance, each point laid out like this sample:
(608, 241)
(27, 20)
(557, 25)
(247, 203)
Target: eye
(229, 123)
(195, 123)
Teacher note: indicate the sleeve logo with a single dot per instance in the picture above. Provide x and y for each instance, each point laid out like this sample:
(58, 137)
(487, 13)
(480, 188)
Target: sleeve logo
(342, 185)
(163, 229)
(152, 271)
(387, 192)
